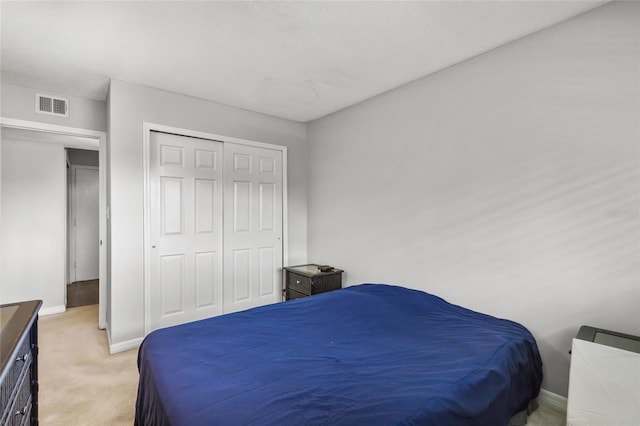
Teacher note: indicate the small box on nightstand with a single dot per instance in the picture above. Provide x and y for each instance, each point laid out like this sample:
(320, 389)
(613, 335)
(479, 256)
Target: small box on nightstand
(305, 280)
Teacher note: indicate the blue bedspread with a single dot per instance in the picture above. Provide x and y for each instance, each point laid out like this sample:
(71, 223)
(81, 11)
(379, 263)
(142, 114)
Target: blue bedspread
(369, 354)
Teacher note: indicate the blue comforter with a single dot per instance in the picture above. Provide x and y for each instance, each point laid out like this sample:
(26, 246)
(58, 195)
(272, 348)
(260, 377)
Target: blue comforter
(368, 354)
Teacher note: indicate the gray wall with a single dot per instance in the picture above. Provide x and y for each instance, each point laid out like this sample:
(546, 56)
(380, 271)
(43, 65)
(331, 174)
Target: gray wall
(508, 184)
(83, 157)
(19, 102)
(129, 106)
(33, 227)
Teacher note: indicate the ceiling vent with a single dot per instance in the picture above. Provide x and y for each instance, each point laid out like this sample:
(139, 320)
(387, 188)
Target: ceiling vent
(52, 105)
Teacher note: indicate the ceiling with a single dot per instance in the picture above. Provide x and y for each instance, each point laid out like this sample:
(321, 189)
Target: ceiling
(295, 60)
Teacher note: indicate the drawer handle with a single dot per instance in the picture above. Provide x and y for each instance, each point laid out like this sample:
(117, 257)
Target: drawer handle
(23, 412)
(23, 358)
(297, 281)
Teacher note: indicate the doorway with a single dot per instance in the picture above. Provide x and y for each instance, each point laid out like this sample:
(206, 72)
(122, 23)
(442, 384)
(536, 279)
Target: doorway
(81, 139)
(83, 227)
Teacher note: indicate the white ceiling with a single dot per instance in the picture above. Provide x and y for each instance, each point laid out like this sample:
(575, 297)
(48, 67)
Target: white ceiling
(296, 60)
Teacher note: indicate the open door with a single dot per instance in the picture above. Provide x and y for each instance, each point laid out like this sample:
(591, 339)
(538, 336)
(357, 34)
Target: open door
(84, 229)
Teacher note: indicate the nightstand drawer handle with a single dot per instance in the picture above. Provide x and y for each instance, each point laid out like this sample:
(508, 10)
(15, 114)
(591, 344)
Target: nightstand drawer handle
(22, 412)
(297, 281)
(23, 358)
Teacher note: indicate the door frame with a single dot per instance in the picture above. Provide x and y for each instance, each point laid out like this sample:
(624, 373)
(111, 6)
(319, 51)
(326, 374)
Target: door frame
(147, 128)
(101, 145)
(73, 231)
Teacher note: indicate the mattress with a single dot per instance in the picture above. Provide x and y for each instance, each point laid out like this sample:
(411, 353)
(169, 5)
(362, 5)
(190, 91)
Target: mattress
(367, 354)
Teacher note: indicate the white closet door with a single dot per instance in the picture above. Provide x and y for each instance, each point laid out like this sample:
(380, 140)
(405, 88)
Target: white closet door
(252, 226)
(185, 262)
(85, 244)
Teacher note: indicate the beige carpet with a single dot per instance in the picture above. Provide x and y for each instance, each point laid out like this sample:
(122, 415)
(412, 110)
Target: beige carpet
(80, 383)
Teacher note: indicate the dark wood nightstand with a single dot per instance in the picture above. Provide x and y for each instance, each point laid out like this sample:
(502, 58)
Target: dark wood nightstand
(305, 280)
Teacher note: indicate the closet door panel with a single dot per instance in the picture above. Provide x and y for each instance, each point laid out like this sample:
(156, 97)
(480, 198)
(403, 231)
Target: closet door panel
(185, 229)
(253, 199)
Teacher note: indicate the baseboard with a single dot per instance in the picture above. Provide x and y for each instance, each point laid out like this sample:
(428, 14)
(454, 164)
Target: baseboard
(52, 310)
(127, 345)
(552, 399)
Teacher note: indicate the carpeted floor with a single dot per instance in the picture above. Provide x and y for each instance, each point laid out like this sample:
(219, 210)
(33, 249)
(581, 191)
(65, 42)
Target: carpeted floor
(81, 384)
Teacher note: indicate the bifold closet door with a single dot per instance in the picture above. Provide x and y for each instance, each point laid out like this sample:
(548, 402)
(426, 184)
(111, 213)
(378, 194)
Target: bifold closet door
(252, 227)
(186, 232)
(215, 228)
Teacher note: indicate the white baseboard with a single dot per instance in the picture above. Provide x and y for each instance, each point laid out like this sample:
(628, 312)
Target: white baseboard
(552, 399)
(115, 348)
(52, 310)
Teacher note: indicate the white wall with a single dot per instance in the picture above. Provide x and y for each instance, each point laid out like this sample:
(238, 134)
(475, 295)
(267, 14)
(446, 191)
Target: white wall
(129, 106)
(19, 102)
(33, 227)
(508, 183)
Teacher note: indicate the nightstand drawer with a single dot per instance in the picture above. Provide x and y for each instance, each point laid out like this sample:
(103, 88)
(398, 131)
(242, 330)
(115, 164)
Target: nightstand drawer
(292, 294)
(300, 284)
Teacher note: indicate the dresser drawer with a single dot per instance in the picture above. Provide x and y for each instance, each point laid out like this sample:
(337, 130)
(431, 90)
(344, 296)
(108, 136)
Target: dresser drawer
(12, 386)
(300, 284)
(26, 417)
(20, 412)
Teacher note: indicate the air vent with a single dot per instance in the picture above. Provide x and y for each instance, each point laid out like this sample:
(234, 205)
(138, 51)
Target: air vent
(52, 105)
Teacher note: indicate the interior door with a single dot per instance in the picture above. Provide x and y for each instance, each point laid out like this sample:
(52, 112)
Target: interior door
(252, 226)
(185, 184)
(85, 244)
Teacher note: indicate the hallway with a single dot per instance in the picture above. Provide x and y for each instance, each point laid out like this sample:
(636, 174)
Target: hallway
(83, 293)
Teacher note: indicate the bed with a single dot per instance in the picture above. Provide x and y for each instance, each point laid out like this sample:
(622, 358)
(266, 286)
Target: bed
(367, 354)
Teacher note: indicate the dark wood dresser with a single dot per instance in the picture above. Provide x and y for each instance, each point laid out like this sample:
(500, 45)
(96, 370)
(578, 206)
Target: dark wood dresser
(305, 280)
(19, 363)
